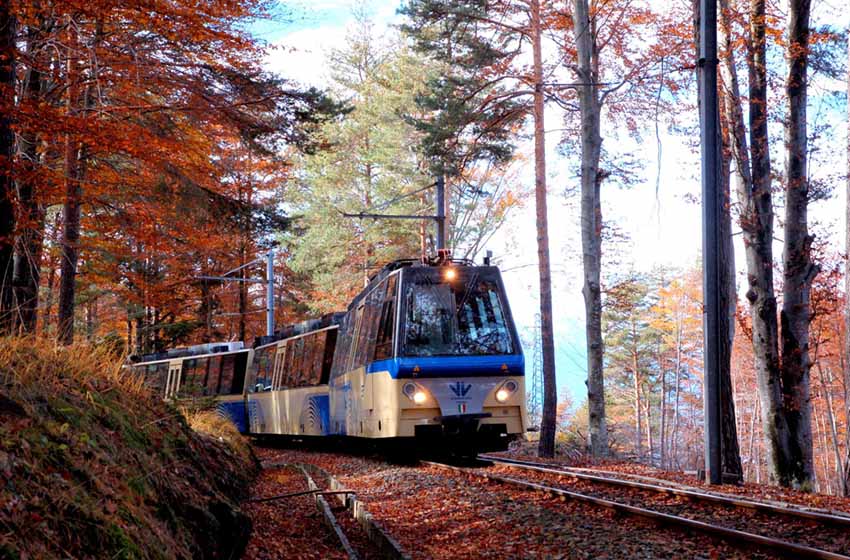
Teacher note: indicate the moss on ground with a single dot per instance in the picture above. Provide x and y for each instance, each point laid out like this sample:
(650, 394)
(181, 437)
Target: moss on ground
(92, 465)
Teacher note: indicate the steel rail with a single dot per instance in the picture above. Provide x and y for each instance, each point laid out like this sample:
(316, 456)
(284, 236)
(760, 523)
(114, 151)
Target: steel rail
(328, 514)
(788, 548)
(379, 537)
(691, 494)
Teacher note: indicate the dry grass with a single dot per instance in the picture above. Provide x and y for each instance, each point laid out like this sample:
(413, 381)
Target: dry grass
(31, 361)
(95, 466)
(212, 424)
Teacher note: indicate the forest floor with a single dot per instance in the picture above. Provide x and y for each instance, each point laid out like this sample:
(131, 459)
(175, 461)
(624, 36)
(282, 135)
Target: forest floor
(435, 513)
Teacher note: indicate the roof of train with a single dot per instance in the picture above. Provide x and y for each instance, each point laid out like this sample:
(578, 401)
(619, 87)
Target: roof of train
(303, 327)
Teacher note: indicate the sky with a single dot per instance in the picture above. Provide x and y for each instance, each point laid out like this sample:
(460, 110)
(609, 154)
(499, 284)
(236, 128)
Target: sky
(663, 225)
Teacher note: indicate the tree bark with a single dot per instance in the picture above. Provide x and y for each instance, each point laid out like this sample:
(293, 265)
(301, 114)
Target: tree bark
(797, 467)
(591, 221)
(846, 372)
(826, 387)
(7, 153)
(71, 207)
(30, 242)
(662, 440)
(550, 398)
(756, 220)
(733, 142)
(678, 385)
(636, 387)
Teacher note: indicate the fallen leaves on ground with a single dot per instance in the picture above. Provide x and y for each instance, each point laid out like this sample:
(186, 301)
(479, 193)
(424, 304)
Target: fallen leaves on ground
(291, 528)
(436, 513)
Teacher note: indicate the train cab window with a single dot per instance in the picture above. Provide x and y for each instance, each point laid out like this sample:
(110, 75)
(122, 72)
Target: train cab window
(386, 322)
(465, 316)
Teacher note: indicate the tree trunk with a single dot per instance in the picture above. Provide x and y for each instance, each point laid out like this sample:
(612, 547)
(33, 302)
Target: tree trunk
(638, 421)
(846, 372)
(550, 398)
(7, 153)
(647, 409)
(662, 440)
(733, 143)
(30, 242)
(675, 431)
(51, 286)
(826, 387)
(756, 220)
(796, 467)
(591, 222)
(71, 207)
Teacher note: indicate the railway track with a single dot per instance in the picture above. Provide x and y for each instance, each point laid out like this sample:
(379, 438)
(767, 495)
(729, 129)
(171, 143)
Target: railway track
(816, 534)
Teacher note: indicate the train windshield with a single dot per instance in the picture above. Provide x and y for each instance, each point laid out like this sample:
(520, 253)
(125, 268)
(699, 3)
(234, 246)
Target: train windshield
(461, 316)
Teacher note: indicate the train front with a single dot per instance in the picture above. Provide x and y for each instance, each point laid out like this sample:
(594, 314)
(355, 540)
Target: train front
(459, 363)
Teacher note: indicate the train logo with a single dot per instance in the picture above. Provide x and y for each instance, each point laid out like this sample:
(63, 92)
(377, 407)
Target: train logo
(460, 389)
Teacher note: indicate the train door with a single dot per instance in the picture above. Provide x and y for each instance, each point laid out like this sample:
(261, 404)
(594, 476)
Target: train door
(276, 393)
(172, 383)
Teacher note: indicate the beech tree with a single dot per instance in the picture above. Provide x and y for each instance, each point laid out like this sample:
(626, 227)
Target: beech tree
(110, 108)
(7, 151)
(617, 82)
(846, 348)
(782, 366)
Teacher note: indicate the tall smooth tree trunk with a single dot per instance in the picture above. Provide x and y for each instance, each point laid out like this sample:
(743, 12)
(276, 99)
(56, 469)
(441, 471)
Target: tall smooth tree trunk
(733, 142)
(678, 385)
(7, 153)
(590, 106)
(846, 372)
(47, 315)
(28, 248)
(71, 207)
(550, 398)
(650, 445)
(756, 221)
(662, 440)
(638, 418)
(826, 387)
(797, 467)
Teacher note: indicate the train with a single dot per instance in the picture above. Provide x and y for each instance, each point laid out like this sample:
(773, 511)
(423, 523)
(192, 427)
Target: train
(426, 355)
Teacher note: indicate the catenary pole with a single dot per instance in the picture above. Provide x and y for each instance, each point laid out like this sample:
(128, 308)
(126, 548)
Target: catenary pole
(270, 292)
(709, 125)
(441, 212)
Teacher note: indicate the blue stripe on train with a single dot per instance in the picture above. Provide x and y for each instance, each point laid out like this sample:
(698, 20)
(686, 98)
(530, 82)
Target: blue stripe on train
(235, 412)
(319, 406)
(440, 366)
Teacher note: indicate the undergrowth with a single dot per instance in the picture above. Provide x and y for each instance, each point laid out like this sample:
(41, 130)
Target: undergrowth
(95, 466)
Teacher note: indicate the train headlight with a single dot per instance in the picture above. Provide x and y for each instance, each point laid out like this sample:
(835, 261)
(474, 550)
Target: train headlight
(414, 393)
(507, 389)
(450, 274)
